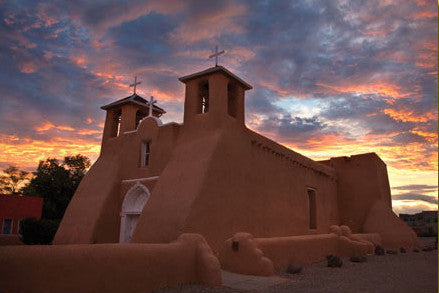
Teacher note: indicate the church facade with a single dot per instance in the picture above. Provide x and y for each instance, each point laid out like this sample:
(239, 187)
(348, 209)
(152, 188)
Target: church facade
(213, 176)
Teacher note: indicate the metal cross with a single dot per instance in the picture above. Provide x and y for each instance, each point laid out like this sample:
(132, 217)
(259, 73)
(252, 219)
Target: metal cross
(216, 55)
(135, 84)
(151, 104)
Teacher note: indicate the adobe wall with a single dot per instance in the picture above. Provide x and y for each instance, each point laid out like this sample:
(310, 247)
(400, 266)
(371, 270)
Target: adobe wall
(93, 201)
(10, 239)
(257, 186)
(93, 215)
(362, 180)
(246, 254)
(220, 181)
(109, 268)
(364, 200)
(179, 184)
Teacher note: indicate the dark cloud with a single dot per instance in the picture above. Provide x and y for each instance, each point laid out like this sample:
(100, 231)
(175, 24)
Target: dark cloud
(353, 107)
(292, 129)
(408, 137)
(415, 197)
(416, 192)
(143, 41)
(262, 102)
(289, 126)
(416, 187)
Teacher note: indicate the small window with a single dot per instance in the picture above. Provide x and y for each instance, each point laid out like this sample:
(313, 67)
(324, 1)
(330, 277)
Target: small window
(204, 104)
(146, 151)
(7, 226)
(203, 99)
(232, 106)
(117, 118)
(312, 208)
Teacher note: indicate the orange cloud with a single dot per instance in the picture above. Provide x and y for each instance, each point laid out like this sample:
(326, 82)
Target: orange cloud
(120, 85)
(162, 96)
(80, 61)
(88, 131)
(26, 152)
(425, 14)
(113, 80)
(108, 75)
(380, 88)
(27, 67)
(432, 137)
(48, 125)
(409, 116)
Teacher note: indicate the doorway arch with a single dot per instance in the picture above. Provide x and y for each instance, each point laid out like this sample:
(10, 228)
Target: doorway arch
(132, 206)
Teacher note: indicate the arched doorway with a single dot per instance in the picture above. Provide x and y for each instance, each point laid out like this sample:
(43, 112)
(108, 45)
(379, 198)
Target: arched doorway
(132, 206)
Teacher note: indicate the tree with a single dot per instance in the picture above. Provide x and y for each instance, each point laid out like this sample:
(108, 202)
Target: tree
(38, 231)
(13, 179)
(77, 165)
(55, 182)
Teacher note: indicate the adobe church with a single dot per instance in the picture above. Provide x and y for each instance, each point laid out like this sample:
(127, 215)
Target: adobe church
(213, 176)
(171, 204)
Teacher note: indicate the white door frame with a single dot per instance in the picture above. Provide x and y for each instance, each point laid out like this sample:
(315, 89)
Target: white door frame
(133, 203)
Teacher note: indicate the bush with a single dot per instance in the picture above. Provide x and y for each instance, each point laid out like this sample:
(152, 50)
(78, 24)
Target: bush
(38, 231)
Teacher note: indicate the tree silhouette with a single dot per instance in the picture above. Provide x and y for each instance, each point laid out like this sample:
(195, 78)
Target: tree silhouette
(56, 182)
(13, 180)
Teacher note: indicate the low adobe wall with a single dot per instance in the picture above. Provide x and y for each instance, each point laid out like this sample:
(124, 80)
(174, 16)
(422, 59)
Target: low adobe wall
(298, 249)
(261, 256)
(109, 268)
(10, 239)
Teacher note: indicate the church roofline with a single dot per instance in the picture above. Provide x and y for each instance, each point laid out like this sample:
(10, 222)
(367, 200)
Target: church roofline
(211, 70)
(135, 99)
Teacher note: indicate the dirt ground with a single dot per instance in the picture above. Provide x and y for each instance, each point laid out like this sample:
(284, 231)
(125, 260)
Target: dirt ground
(403, 272)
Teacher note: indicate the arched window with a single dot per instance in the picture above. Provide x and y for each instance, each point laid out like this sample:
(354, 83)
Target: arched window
(132, 206)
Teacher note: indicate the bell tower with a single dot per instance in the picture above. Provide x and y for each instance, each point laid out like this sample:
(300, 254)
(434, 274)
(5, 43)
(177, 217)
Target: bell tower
(214, 96)
(125, 115)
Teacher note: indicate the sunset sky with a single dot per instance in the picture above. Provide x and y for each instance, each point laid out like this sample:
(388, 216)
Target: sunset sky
(329, 78)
